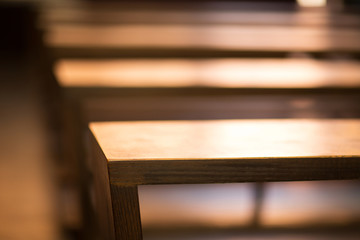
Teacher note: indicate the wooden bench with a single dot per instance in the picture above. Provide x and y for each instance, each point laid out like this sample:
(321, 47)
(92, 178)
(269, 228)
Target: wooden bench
(155, 13)
(179, 89)
(128, 154)
(197, 40)
(116, 30)
(184, 89)
(227, 73)
(145, 89)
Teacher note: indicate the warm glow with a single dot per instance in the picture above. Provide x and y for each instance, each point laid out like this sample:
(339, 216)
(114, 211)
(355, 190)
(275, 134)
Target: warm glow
(306, 203)
(231, 205)
(312, 3)
(228, 73)
(221, 139)
(220, 205)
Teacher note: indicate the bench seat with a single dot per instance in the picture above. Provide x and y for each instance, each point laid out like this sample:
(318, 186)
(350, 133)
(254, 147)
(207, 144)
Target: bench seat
(128, 154)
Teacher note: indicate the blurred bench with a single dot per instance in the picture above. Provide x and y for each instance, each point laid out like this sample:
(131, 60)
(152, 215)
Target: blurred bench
(115, 14)
(128, 40)
(128, 154)
(212, 29)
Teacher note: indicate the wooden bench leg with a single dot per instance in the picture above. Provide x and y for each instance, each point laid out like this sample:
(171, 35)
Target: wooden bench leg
(126, 212)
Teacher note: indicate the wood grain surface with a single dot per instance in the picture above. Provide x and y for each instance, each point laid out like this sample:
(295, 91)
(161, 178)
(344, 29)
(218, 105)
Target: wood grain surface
(126, 210)
(117, 212)
(229, 150)
(103, 222)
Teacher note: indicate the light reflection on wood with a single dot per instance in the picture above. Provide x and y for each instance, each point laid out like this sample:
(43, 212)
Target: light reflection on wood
(232, 73)
(227, 139)
(312, 3)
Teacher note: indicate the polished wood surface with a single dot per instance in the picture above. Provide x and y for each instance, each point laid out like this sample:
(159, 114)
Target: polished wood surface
(229, 150)
(225, 73)
(161, 140)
